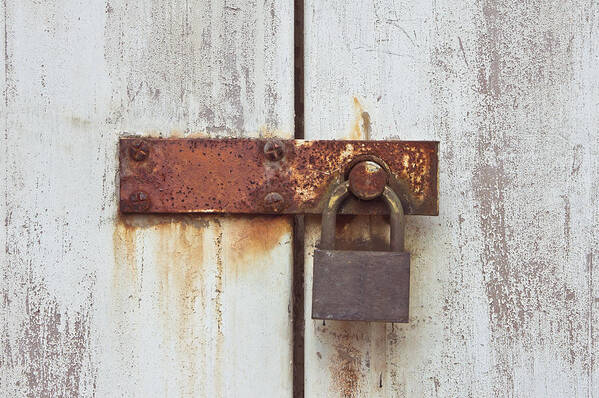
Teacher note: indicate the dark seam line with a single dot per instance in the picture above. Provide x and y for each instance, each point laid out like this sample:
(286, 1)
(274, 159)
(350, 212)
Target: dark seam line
(298, 221)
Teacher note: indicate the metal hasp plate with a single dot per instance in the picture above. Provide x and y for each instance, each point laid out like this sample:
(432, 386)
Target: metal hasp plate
(261, 176)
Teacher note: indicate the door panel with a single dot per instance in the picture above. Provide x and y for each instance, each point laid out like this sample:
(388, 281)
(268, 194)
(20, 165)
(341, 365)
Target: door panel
(98, 304)
(503, 293)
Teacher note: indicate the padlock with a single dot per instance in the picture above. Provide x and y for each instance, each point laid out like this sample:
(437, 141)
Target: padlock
(361, 285)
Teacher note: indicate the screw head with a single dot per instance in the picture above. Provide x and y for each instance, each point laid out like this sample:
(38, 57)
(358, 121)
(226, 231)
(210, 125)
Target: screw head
(274, 202)
(274, 150)
(367, 180)
(139, 201)
(139, 150)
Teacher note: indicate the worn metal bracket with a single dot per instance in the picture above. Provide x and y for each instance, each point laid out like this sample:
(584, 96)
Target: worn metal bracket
(268, 176)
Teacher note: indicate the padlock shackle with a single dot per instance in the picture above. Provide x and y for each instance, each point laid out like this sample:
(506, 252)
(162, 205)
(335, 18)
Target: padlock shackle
(396, 219)
(339, 194)
(329, 215)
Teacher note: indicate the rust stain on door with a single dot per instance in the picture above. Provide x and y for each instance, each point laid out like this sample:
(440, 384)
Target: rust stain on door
(189, 261)
(180, 260)
(172, 249)
(346, 361)
(250, 238)
(361, 127)
(124, 252)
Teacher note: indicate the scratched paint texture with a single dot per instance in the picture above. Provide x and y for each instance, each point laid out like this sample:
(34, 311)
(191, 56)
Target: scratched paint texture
(96, 304)
(504, 295)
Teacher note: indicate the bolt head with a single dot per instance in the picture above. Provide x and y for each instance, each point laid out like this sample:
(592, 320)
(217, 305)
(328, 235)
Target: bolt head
(274, 202)
(274, 150)
(367, 180)
(139, 201)
(139, 150)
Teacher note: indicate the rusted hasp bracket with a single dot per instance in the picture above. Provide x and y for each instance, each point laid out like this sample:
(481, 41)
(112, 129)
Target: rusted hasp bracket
(186, 175)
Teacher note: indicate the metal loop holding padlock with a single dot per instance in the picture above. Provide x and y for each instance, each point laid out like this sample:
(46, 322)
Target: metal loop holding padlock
(339, 194)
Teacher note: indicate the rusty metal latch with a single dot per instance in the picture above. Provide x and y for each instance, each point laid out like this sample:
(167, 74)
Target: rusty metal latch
(186, 175)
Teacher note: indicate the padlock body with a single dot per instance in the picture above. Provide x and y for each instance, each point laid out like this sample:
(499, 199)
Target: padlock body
(361, 285)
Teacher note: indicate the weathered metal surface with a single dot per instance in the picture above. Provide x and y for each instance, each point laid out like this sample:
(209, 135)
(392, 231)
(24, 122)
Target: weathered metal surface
(361, 285)
(260, 176)
(367, 180)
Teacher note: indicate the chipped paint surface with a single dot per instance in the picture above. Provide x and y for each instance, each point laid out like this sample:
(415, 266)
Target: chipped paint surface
(505, 292)
(93, 303)
(503, 289)
(197, 279)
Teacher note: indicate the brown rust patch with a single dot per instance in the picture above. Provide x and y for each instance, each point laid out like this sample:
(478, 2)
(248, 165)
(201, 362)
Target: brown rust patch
(179, 260)
(346, 370)
(249, 239)
(123, 240)
(125, 235)
(125, 290)
(347, 362)
(367, 180)
(361, 126)
(177, 257)
(141, 222)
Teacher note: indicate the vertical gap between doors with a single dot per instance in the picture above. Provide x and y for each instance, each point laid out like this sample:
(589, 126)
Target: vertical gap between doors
(298, 221)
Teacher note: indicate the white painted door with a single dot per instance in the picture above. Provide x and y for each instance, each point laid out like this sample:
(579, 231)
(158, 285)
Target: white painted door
(97, 304)
(503, 293)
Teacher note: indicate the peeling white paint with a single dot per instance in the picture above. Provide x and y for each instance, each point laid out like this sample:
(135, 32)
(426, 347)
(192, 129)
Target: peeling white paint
(93, 304)
(503, 293)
